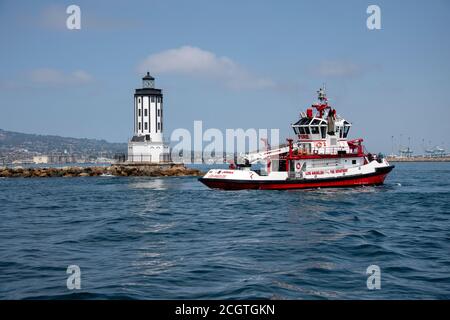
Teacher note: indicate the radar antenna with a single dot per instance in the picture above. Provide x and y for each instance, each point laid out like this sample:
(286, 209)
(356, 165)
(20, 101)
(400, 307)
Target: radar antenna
(322, 95)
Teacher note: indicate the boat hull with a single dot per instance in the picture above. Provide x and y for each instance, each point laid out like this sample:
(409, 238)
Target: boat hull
(375, 178)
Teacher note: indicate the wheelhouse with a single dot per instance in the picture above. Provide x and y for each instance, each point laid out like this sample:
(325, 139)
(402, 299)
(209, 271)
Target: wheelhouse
(311, 128)
(317, 128)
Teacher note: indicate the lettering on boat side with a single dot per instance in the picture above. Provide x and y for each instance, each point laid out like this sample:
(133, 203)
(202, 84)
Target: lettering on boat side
(323, 172)
(218, 176)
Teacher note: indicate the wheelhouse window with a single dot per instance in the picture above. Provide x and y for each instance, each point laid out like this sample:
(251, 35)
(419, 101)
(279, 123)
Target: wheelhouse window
(323, 131)
(346, 130)
(303, 121)
(314, 129)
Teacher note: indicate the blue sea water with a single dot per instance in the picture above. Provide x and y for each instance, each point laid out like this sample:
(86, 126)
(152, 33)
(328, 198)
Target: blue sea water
(173, 238)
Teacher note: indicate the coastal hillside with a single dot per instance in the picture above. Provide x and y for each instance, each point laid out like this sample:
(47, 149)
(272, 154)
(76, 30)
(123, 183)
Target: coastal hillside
(23, 146)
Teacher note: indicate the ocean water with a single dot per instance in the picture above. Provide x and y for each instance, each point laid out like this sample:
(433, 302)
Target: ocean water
(173, 238)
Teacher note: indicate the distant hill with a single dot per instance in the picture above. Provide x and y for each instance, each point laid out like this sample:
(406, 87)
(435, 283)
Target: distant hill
(15, 145)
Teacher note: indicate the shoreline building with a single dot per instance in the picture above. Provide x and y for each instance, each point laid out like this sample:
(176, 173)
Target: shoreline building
(147, 144)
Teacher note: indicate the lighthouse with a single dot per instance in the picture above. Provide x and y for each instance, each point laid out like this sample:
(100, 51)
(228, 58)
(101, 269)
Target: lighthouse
(147, 144)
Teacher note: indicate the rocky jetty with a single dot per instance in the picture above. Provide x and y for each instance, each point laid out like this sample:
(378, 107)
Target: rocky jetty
(150, 170)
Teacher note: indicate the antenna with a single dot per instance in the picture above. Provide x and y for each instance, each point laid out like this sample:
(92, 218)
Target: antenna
(322, 94)
(392, 142)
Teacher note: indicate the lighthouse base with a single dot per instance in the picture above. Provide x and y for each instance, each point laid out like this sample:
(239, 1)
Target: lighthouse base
(148, 152)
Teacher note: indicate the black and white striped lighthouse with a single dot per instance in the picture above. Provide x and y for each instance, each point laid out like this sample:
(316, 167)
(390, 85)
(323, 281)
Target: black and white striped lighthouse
(147, 144)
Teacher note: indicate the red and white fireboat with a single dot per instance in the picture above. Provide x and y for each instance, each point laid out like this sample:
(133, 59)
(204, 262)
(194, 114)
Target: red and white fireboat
(321, 157)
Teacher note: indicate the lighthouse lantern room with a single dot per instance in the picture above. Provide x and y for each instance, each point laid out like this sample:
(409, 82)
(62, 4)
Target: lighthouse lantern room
(147, 143)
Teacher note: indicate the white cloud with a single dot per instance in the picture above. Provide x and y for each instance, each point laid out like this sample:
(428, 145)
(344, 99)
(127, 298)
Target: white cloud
(54, 17)
(337, 69)
(196, 62)
(46, 78)
(54, 77)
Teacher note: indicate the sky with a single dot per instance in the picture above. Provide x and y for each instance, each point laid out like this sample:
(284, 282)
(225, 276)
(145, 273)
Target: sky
(231, 64)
